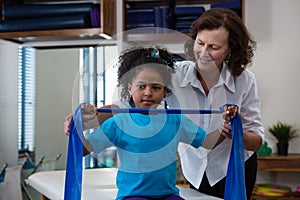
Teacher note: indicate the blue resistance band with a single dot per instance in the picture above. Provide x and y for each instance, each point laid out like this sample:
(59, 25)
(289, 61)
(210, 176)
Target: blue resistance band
(235, 179)
(73, 179)
(158, 111)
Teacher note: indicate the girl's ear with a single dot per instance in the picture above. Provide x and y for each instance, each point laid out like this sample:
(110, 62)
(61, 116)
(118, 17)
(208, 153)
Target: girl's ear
(129, 88)
(167, 90)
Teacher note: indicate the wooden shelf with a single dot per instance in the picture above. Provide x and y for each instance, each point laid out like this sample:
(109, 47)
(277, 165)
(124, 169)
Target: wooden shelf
(154, 37)
(254, 197)
(107, 21)
(138, 3)
(22, 37)
(290, 163)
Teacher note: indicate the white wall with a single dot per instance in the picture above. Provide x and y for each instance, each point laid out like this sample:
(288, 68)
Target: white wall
(8, 103)
(275, 26)
(55, 74)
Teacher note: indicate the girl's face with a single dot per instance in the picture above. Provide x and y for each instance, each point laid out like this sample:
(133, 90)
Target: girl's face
(147, 89)
(211, 46)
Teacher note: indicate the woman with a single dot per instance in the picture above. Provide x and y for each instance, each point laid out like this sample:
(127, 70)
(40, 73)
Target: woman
(220, 49)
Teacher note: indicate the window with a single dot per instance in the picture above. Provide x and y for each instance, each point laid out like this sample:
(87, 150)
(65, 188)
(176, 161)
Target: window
(26, 99)
(98, 72)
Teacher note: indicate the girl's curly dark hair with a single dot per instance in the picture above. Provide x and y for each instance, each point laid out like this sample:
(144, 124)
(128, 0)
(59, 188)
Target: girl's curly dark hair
(240, 43)
(134, 59)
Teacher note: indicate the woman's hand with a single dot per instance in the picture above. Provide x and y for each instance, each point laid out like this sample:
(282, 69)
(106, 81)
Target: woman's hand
(67, 123)
(89, 116)
(225, 130)
(229, 113)
(88, 112)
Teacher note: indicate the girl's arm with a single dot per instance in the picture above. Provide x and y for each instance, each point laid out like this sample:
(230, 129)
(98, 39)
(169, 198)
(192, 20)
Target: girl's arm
(87, 148)
(101, 117)
(91, 118)
(215, 138)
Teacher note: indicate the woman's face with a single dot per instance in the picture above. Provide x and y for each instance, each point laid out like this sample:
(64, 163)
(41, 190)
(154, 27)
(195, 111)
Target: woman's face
(211, 46)
(147, 89)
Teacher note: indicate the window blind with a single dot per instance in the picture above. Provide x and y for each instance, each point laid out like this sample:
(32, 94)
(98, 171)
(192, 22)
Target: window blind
(26, 98)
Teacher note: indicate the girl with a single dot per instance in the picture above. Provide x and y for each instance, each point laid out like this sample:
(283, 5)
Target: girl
(146, 143)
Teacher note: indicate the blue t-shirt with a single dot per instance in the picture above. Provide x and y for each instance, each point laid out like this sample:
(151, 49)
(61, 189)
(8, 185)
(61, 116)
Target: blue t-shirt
(147, 146)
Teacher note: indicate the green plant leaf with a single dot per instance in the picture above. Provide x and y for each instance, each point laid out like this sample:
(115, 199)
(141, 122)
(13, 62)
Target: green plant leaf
(283, 132)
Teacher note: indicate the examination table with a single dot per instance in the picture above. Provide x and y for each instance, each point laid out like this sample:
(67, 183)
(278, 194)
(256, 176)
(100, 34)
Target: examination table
(97, 184)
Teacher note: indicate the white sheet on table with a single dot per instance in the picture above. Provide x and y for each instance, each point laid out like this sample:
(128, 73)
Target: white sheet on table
(96, 183)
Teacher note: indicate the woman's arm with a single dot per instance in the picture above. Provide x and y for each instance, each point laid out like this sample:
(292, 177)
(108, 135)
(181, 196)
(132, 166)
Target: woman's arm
(252, 141)
(251, 118)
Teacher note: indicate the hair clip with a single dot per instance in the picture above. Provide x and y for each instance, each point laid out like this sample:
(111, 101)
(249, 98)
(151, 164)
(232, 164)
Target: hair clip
(155, 53)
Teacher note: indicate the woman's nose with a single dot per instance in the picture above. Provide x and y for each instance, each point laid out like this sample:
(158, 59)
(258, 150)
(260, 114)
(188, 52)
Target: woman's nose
(204, 53)
(204, 50)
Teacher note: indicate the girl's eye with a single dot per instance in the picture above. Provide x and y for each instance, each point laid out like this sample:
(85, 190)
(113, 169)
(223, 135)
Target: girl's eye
(142, 86)
(157, 88)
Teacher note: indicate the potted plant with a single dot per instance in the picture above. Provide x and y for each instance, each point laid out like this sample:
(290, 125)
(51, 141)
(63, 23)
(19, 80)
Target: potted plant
(283, 132)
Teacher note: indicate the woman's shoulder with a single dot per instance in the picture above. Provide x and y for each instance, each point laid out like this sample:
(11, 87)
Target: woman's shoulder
(245, 82)
(247, 76)
(183, 66)
(183, 69)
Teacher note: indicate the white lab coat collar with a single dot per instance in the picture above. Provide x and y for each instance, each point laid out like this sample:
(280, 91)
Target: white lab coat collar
(225, 78)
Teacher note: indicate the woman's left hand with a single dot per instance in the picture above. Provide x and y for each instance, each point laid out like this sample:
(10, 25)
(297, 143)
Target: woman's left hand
(89, 116)
(225, 130)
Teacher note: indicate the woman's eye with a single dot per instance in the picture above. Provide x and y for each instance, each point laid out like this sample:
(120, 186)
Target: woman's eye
(214, 48)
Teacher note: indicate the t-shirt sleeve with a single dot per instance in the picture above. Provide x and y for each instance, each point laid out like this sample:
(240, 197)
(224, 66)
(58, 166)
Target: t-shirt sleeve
(191, 133)
(101, 138)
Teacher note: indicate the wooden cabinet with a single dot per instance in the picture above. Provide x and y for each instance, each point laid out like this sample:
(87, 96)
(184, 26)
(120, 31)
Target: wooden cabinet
(108, 24)
(164, 34)
(275, 163)
(107, 28)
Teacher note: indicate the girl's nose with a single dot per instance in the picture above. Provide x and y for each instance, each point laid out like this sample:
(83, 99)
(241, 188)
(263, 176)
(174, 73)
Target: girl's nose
(148, 91)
